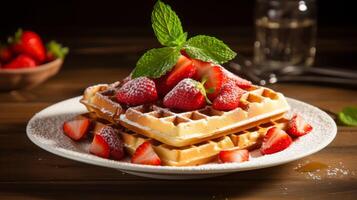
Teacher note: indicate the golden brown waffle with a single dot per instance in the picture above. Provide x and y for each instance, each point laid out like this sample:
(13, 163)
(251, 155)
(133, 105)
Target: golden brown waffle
(185, 128)
(203, 152)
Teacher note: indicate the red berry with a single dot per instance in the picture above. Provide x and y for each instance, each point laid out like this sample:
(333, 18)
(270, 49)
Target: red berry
(240, 82)
(228, 98)
(107, 143)
(234, 155)
(201, 68)
(275, 140)
(215, 79)
(21, 61)
(137, 91)
(77, 128)
(99, 147)
(145, 155)
(5, 54)
(187, 95)
(183, 69)
(298, 127)
(30, 43)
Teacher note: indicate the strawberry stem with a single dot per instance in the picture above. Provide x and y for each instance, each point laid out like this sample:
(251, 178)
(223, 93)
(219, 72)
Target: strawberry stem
(57, 50)
(16, 38)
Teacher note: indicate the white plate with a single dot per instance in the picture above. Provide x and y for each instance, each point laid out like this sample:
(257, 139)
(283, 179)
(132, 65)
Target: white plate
(45, 130)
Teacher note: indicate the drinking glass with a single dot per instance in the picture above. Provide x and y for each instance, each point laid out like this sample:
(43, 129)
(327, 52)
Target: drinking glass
(285, 33)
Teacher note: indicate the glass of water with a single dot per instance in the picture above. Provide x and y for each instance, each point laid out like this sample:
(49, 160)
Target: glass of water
(285, 33)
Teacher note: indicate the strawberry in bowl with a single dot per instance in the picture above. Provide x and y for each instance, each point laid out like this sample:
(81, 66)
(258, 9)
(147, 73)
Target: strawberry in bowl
(25, 61)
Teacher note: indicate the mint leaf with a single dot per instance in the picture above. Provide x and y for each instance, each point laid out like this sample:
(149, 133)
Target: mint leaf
(208, 49)
(348, 116)
(156, 62)
(167, 25)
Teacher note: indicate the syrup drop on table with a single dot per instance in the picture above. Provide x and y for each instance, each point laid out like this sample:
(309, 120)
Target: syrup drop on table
(311, 167)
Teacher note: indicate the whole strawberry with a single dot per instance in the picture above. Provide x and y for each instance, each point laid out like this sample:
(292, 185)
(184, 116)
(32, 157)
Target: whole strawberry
(21, 61)
(228, 98)
(187, 95)
(29, 43)
(137, 91)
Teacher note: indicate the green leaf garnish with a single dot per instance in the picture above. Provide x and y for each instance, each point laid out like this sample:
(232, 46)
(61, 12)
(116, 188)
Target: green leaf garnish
(167, 25)
(168, 30)
(57, 49)
(348, 116)
(208, 49)
(156, 62)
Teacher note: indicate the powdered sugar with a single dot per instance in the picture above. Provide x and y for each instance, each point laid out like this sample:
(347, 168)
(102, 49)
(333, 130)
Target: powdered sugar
(45, 130)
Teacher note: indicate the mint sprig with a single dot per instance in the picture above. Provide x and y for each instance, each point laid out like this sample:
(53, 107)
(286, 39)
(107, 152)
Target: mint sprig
(348, 116)
(168, 30)
(156, 62)
(208, 49)
(167, 25)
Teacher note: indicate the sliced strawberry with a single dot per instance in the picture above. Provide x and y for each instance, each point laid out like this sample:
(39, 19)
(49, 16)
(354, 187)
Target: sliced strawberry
(240, 82)
(275, 140)
(99, 147)
(215, 79)
(234, 155)
(145, 155)
(76, 128)
(298, 127)
(137, 91)
(107, 138)
(201, 68)
(187, 95)
(183, 69)
(228, 98)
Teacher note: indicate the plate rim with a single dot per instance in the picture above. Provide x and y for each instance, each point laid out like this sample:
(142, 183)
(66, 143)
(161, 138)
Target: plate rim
(224, 168)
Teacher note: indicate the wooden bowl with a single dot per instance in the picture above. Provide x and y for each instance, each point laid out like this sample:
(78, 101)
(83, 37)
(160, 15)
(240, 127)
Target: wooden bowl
(13, 79)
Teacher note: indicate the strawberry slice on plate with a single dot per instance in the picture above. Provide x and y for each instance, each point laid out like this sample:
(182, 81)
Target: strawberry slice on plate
(145, 155)
(215, 79)
(233, 155)
(298, 127)
(76, 128)
(275, 140)
(183, 69)
(107, 143)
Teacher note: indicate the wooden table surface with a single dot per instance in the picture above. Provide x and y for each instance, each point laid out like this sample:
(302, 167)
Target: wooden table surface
(28, 172)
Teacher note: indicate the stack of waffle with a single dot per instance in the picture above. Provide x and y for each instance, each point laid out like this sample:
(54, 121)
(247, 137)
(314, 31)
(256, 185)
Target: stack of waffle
(194, 137)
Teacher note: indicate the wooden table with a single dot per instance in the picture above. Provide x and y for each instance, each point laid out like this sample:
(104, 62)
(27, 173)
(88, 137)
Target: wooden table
(28, 172)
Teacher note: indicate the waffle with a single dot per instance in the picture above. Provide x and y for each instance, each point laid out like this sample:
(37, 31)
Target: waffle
(203, 152)
(185, 128)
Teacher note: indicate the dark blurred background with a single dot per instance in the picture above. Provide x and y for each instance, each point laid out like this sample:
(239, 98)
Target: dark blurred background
(101, 24)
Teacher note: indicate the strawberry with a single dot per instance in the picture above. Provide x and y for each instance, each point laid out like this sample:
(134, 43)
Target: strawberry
(137, 91)
(201, 68)
(99, 147)
(298, 127)
(5, 54)
(187, 95)
(183, 69)
(215, 79)
(107, 143)
(21, 61)
(30, 43)
(240, 82)
(145, 155)
(76, 128)
(275, 140)
(233, 155)
(228, 98)
(55, 50)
